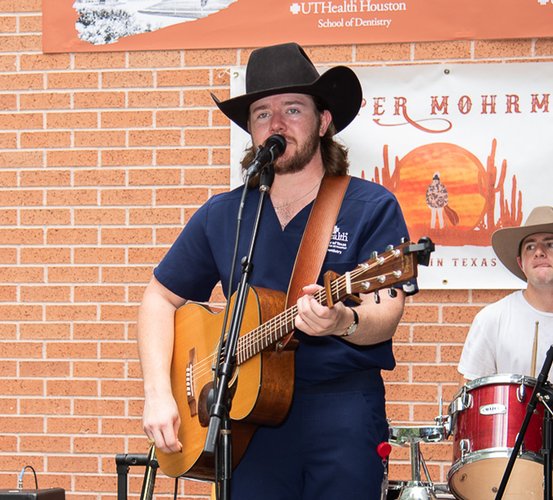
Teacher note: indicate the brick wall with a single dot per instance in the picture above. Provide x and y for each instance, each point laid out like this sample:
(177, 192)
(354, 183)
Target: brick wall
(103, 157)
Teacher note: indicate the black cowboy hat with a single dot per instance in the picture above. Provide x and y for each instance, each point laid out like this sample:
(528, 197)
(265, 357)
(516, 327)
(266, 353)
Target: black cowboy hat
(285, 68)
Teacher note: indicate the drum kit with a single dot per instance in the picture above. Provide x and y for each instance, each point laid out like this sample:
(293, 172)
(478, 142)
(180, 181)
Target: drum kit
(484, 420)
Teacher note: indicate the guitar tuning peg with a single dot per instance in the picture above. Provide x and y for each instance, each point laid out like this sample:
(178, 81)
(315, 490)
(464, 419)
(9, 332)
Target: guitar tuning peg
(374, 254)
(392, 292)
(377, 297)
(389, 248)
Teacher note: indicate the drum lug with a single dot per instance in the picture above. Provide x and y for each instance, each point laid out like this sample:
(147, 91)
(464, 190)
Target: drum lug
(462, 403)
(521, 393)
(467, 401)
(464, 447)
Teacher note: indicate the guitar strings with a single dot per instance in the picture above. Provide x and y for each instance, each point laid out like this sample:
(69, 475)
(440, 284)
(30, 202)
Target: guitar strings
(254, 338)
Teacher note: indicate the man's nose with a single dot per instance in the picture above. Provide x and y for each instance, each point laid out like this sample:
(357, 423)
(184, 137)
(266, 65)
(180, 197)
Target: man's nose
(277, 123)
(541, 249)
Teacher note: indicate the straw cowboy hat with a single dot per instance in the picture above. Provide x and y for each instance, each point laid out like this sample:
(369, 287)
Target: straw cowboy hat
(506, 242)
(285, 68)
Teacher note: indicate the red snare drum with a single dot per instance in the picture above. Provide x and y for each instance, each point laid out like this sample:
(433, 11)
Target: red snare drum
(486, 416)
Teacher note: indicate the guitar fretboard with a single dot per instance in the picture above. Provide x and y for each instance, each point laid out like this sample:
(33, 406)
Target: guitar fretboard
(361, 279)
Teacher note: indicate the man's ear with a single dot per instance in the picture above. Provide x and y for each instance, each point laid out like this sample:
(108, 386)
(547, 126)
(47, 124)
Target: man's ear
(326, 120)
(519, 262)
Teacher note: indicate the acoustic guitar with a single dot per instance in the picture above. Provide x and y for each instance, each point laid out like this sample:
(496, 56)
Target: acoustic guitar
(262, 385)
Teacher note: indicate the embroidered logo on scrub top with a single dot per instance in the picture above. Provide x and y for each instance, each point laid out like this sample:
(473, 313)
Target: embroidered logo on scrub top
(338, 242)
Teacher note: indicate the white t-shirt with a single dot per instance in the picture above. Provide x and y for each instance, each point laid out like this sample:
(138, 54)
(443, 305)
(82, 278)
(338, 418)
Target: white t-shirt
(501, 339)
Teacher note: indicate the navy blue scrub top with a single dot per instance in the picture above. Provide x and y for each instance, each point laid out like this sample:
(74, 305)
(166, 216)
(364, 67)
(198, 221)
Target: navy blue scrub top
(370, 219)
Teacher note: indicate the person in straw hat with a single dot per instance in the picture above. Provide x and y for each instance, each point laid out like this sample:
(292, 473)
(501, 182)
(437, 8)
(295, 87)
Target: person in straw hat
(326, 448)
(514, 334)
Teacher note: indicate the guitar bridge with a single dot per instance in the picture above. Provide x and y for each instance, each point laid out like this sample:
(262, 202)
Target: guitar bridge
(190, 393)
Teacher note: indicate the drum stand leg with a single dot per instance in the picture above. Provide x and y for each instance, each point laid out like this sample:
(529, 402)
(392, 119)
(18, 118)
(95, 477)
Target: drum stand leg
(547, 450)
(415, 489)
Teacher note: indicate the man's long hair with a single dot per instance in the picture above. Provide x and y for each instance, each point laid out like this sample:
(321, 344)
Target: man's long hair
(334, 154)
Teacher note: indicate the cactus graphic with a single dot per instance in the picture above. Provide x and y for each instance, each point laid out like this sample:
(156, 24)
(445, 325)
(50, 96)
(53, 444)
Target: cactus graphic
(389, 181)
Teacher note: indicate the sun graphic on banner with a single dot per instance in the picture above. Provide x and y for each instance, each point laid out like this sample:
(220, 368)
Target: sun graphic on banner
(446, 192)
(459, 171)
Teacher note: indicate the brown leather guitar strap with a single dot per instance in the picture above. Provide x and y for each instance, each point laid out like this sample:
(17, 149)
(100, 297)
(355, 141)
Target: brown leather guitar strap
(315, 239)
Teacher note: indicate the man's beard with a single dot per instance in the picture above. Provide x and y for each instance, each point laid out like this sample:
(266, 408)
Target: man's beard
(302, 156)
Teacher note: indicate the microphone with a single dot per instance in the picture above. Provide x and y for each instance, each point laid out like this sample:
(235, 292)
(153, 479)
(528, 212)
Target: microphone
(274, 146)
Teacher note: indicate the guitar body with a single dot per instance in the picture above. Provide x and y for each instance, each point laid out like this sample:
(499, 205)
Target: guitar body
(262, 386)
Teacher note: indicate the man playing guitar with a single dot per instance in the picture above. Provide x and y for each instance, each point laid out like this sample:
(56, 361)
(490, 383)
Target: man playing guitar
(325, 447)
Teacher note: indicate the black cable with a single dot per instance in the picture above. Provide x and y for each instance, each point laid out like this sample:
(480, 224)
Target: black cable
(20, 478)
(176, 488)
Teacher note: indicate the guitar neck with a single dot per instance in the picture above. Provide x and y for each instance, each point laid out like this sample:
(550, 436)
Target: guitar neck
(379, 272)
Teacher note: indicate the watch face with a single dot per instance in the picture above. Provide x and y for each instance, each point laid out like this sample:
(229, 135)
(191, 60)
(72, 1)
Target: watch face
(352, 329)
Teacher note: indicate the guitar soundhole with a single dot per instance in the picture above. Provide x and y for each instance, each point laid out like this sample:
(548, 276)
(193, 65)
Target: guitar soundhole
(205, 402)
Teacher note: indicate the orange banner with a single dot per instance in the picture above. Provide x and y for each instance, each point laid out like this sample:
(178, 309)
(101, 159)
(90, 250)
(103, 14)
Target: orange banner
(108, 25)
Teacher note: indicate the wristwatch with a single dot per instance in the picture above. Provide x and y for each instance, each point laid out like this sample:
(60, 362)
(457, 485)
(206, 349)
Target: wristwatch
(351, 328)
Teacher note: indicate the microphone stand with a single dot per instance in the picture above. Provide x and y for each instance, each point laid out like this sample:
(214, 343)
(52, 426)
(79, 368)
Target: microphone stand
(536, 394)
(218, 441)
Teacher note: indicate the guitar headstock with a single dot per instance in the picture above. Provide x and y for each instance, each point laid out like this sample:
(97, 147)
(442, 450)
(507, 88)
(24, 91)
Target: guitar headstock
(393, 266)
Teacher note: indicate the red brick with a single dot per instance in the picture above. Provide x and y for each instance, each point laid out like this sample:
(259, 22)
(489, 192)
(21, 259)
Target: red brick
(152, 216)
(126, 119)
(43, 216)
(155, 176)
(72, 80)
(56, 197)
(158, 137)
(98, 331)
(74, 274)
(96, 294)
(154, 99)
(30, 24)
(100, 138)
(127, 157)
(100, 99)
(98, 60)
(127, 79)
(71, 158)
(157, 59)
(45, 294)
(72, 120)
(126, 236)
(45, 100)
(182, 118)
(95, 255)
(48, 369)
(45, 139)
(207, 176)
(182, 156)
(457, 49)
(99, 216)
(20, 43)
(104, 177)
(182, 77)
(34, 62)
(42, 331)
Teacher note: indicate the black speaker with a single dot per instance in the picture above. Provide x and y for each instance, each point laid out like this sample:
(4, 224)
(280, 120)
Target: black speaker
(49, 494)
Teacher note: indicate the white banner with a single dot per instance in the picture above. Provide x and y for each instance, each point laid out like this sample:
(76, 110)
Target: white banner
(466, 150)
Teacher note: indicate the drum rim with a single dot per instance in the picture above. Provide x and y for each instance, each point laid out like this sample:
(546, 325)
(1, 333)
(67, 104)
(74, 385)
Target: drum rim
(488, 453)
(426, 434)
(456, 467)
(498, 378)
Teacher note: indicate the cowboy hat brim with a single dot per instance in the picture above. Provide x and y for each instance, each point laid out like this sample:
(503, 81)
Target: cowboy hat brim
(338, 88)
(506, 244)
